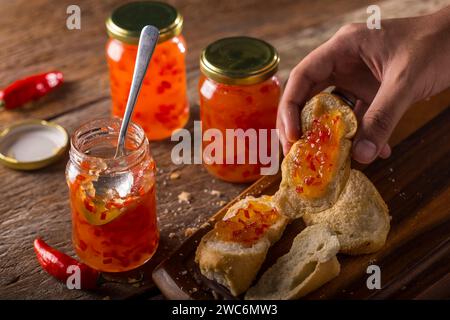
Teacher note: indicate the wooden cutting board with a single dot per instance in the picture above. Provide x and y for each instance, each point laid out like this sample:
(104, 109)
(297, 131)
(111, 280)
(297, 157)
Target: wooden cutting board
(414, 263)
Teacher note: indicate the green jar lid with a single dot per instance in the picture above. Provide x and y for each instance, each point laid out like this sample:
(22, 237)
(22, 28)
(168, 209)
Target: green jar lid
(239, 61)
(126, 22)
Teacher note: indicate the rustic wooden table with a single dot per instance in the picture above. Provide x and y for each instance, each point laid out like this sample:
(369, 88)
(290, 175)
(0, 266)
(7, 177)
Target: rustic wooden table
(34, 38)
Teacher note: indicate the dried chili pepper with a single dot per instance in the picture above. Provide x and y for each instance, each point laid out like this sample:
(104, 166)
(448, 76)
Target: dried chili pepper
(56, 264)
(29, 89)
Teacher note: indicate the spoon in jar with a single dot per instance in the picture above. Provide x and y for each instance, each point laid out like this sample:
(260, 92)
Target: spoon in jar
(147, 43)
(121, 183)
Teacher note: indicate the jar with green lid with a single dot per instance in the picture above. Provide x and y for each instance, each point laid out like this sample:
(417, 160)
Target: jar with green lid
(239, 89)
(162, 106)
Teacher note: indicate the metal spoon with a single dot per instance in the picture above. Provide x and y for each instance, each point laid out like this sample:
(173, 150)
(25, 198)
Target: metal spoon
(147, 43)
(123, 182)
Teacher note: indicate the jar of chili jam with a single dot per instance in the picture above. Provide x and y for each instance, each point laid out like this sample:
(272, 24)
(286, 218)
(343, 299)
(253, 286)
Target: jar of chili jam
(238, 89)
(162, 106)
(114, 226)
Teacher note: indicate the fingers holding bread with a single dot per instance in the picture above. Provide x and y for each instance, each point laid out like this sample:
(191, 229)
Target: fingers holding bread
(317, 167)
(360, 217)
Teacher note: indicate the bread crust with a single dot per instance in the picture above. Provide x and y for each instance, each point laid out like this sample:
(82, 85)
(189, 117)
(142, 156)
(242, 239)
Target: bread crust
(234, 269)
(324, 272)
(310, 263)
(288, 199)
(360, 217)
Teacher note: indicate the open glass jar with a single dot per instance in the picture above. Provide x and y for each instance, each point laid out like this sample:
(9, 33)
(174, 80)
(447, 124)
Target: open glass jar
(239, 89)
(114, 226)
(162, 106)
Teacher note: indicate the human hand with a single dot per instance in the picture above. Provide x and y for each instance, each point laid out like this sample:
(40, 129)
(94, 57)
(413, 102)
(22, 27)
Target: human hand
(384, 70)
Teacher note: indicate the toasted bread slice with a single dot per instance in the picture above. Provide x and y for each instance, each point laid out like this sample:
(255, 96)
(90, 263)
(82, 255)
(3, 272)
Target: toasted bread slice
(360, 217)
(310, 263)
(235, 264)
(291, 197)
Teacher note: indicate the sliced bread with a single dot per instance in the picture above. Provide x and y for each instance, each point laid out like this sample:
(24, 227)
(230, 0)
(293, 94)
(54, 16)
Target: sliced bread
(235, 264)
(360, 217)
(296, 171)
(310, 263)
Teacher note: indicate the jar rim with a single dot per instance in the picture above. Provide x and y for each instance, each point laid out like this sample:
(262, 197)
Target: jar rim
(167, 19)
(105, 126)
(223, 60)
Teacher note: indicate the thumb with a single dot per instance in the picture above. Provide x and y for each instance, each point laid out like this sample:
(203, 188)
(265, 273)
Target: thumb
(379, 121)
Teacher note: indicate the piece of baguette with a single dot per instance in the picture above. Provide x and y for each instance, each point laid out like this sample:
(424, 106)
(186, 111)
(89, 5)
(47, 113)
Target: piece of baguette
(310, 263)
(288, 199)
(360, 217)
(232, 264)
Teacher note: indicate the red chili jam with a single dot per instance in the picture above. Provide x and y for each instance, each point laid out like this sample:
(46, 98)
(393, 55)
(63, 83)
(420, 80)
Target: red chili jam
(112, 199)
(162, 106)
(317, 155)
(239, 90)
(248, 225)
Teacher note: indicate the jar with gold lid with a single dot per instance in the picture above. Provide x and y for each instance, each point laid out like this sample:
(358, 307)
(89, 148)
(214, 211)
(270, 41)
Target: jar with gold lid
(162, 106)
(239, 89)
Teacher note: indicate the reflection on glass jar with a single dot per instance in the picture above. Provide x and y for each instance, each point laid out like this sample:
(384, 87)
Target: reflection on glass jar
(113, 203)
(238, 89)
(162, 106)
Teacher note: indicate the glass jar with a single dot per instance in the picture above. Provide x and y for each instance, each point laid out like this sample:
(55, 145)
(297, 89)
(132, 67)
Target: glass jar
(114, 226)
(238, 89)
(162, 106)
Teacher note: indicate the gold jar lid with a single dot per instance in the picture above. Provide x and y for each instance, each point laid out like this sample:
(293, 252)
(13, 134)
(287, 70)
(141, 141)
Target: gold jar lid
(126, 22)
(32, 144)
(239, 61)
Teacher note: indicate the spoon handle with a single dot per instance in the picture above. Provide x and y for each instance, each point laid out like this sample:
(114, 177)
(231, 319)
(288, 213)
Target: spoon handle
(147, 43)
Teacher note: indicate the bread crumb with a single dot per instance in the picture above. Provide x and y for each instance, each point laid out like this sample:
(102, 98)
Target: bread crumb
(184, 197)
(174, 175)
(107, 298)
(221, 203)
(172, 234)
(194, 290)
(133, 280)
(189, 232)
(216, 193)
(184, 272)
(215, 295)
(204, 225)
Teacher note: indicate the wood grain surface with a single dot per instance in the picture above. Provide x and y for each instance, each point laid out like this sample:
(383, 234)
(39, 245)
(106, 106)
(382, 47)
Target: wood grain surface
(36, 203)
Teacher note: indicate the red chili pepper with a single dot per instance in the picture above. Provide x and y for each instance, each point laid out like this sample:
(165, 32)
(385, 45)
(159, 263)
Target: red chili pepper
(56, 263)
(29, 89)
